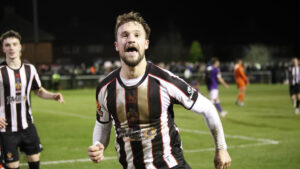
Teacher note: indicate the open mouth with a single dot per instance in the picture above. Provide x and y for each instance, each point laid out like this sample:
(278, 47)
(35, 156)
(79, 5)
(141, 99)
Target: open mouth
(131, 49)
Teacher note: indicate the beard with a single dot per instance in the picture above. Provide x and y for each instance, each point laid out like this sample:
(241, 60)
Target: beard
(133, 63)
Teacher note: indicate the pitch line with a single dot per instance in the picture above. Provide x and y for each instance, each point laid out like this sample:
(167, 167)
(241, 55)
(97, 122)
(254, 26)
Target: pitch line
(65, 114)
(261, 141)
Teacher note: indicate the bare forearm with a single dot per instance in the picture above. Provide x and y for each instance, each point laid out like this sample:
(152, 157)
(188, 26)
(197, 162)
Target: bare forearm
(43, 93)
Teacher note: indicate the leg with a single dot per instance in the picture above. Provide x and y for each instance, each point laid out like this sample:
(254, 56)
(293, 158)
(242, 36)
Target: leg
(12, 165)
(31, 146)
(241, 96)
(297, 104)
(294, 100)
(9, 145)
(34, 161)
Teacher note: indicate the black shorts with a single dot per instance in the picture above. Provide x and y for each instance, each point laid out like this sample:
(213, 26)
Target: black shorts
(28, 141)
(182, 166)
(295, 89)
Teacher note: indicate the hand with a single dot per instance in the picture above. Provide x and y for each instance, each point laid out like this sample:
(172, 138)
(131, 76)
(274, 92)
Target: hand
(59, 97)
(2, 123)
(222, 159)
(95, 152)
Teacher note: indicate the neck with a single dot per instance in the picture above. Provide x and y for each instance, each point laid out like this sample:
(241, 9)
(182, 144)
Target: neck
(14, 63)
(128, 72)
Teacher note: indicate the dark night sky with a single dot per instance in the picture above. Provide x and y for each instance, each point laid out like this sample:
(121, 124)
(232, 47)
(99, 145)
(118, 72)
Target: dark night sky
(211, 22)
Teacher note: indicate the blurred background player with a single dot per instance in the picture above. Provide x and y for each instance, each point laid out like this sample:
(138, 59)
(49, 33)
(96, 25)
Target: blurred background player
(17, 80)
(294, 83)
(212, 78)
(241, 81)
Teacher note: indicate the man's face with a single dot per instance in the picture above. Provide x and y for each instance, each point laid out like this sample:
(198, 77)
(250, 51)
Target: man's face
(295, 61)
(11, 47)
(131, 43)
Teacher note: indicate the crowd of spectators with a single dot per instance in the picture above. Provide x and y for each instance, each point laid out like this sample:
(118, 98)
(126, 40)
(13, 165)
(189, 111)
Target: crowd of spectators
(100, 67)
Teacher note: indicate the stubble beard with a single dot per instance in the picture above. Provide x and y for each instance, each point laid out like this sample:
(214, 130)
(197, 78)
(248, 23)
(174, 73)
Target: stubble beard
(133, 63)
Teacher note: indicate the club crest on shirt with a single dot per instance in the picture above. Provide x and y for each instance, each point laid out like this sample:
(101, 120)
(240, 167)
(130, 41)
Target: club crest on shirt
(18, 83)
(131, 99)
(99, 111)
(9, 156)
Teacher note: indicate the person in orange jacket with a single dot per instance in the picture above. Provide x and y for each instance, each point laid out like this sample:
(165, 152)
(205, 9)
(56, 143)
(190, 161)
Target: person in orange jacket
(241, 81)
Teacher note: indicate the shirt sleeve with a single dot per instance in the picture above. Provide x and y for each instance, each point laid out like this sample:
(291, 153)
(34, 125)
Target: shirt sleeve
(102, 114)
(36, 82)
(101, 133)
(180, 91)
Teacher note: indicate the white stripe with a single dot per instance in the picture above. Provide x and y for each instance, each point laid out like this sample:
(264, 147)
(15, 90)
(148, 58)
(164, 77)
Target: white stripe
(167, 154)
(2, 102)
(129, 156)
(23, 93)
(13, 108)
(121, 105)
(28, 92)
(148, 155)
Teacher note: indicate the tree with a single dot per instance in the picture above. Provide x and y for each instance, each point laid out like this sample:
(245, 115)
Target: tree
(258, 53)
(195, 53)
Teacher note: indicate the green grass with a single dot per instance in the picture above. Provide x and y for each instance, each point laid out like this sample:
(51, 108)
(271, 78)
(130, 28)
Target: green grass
(66, 130)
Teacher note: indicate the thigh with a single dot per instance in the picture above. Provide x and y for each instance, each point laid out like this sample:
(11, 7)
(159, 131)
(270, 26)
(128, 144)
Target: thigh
(214, 94)
(292, 90)
(30, 143)
(9, 146)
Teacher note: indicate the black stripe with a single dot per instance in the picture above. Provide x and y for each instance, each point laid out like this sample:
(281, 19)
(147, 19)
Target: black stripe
(28, 73)
(111, 102)
(132, 113)
(122, 158)
(154, 104)
(18, 94)
(132, 108)
(6, 85)
(35, 84)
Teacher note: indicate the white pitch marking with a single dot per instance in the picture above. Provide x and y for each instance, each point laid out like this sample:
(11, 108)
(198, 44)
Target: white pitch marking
(64, 113)
(260, 140)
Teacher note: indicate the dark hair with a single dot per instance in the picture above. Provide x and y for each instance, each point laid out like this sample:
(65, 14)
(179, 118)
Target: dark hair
(10, 34)
(132, 16)
(214, 60)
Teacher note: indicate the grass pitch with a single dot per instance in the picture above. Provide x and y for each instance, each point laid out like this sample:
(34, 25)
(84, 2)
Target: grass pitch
(263, 134)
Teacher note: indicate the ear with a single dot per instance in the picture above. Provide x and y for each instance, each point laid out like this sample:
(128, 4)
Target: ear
(116, 46)
(147, 44)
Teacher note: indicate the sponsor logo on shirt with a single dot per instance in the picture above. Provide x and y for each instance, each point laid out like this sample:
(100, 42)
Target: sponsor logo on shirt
(15, 99)
(190, 91)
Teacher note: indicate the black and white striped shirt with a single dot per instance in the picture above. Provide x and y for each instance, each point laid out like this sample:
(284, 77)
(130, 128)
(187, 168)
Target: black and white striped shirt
(294, 75)
(147, 137)
(15, 88)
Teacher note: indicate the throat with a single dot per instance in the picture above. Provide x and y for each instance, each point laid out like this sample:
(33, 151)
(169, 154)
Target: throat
(14, 64)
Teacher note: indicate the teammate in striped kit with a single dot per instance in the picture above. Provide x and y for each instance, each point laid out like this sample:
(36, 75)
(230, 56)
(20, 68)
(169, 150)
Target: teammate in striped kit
(17, 80)
(138, 100)
(294, 83)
